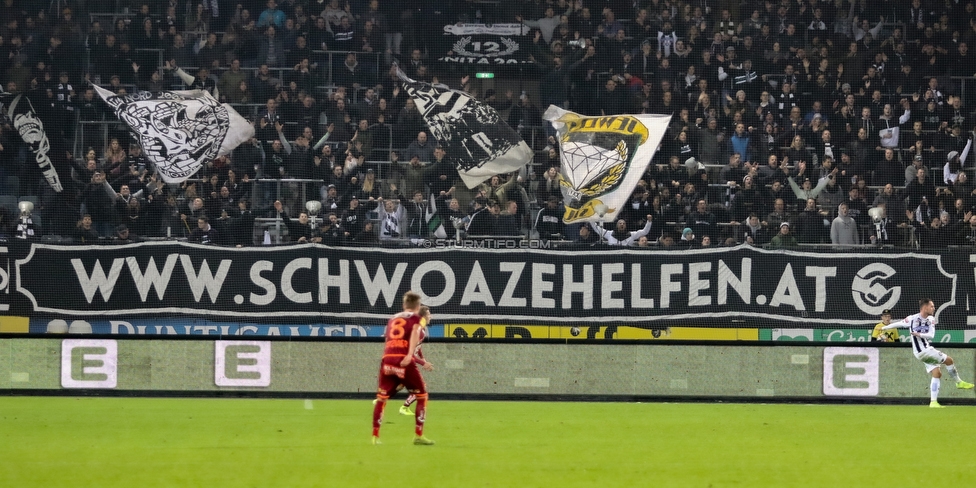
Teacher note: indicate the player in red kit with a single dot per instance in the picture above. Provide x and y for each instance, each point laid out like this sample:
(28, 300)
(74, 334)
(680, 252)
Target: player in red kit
(418, 357)
(398, 367)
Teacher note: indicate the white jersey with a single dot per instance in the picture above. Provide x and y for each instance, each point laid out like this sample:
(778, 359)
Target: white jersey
(924, 327)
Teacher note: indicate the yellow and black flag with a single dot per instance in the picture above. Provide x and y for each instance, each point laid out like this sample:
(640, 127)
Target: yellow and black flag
(603, 158)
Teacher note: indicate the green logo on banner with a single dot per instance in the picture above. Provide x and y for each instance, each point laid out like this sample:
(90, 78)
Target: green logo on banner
(237, 356)
(79, 363)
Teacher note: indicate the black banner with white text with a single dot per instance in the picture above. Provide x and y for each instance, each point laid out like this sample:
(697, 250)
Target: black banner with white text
(739, 287)
(484, 45)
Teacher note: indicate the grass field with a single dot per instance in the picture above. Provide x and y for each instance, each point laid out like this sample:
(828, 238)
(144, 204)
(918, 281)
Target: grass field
(139, 442)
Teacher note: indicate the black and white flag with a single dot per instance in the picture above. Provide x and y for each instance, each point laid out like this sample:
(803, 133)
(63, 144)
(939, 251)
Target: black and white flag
(33, 126)
(180, 131)
(473, 135)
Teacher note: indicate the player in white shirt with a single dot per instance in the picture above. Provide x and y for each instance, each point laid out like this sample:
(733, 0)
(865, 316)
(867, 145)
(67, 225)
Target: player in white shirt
(922, 328)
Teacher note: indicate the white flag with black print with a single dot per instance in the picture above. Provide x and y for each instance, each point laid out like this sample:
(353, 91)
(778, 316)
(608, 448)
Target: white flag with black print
(32, 118)
(179, 131)
(603, 158)
(472, 134)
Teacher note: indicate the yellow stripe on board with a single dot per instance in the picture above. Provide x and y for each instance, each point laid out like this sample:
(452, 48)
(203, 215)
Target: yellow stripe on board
(14, 325)
(487, 331)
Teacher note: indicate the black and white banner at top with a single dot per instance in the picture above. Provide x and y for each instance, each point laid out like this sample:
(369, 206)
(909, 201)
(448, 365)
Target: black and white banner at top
(35, 127)
(474, 136)
(180, 131)
(485, 45)
(603, 159)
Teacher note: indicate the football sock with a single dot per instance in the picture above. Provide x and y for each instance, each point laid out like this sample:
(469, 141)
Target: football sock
(421, 413)
(935, 389)
(410, 399)
(378, 415)
(953, 372)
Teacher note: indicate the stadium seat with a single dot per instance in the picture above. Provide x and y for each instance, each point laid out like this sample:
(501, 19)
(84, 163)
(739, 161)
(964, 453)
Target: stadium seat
(57, 326)
(79, 327)
(29, 198)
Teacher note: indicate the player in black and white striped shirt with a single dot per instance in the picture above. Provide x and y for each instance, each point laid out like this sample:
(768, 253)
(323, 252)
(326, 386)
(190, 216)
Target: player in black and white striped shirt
(922, 328)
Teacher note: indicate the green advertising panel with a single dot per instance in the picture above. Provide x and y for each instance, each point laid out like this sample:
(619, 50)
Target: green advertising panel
(530, 369)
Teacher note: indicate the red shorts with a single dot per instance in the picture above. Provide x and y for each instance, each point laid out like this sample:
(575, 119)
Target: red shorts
(393, 375)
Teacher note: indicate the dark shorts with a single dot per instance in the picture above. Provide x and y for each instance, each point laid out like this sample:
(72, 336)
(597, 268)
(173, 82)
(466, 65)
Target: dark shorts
(393, 375)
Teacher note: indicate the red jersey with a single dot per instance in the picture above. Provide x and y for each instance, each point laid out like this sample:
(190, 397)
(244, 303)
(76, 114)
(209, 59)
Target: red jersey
(398, 331)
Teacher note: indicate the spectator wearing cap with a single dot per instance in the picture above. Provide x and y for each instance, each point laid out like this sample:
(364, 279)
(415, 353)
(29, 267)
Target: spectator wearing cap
(805, 190)
(549, 221)
(918, 162)
(332, 202)
(353, 217)
(783, 239)
(125, 236)
(687, 240)
(890, 335)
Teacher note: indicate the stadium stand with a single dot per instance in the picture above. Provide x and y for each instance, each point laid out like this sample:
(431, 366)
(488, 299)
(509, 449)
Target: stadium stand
(859, 99)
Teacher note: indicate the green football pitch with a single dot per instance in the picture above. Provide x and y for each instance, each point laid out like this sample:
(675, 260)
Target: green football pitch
(147, 442)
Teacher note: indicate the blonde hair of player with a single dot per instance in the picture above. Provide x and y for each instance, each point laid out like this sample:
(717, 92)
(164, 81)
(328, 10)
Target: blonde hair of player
(411, 301)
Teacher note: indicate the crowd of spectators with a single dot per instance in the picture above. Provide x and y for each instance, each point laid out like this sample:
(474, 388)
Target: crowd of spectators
(793, 122)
